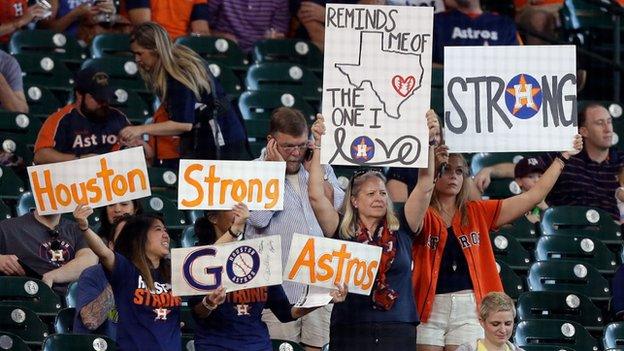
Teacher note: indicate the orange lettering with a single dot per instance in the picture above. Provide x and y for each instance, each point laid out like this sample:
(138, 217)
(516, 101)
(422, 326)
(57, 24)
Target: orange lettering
(224, 185)
(211, 180)
(81, 199)
(63, 195)
(272, 192)
(359, 265)
(324, 263)
(306, 258)
(138, 296)
(134, 174)
(342, 256)
(119, 185)
(39, 191)
(93, 188)
(187, 177)
(105, 173)
(254, 183)
(370, 274)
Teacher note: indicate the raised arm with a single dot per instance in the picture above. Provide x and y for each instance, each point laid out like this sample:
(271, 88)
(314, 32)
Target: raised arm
(516, 206)
(106, 255)
(241, 213)
(324, 210)
(418, 201)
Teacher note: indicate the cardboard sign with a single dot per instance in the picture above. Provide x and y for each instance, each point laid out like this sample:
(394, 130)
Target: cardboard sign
(376, 85)
(219, 185)
(238, 265)
(324, 262)
(510, 98)
(97, 181)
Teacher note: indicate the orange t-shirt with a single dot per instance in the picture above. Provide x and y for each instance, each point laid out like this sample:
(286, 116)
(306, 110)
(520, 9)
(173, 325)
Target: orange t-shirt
(9, 11)
(474, 238)
(173, 15)
(166, 147)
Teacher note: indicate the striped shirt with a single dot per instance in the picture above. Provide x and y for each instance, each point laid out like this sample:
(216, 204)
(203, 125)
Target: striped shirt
(296, 217)
(248, 20)
(585, 182)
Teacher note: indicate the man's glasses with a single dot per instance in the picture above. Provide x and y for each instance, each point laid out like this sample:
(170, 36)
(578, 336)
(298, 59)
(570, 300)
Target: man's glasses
(289, 149)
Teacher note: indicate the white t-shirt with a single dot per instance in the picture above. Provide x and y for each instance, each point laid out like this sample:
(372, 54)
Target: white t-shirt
(438, 5)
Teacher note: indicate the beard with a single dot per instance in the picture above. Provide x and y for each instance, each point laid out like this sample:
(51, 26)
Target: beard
(98, 115)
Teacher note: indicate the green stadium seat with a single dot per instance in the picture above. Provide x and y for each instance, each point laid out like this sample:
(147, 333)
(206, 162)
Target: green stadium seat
(11, 186)
(579, 221)
(289, 50)
(162, 178)
(174, 218)
(58, 45)
(24, 323)
(5, 211)
(554, 332)
(12, 342)
(20, 123)
(218, 50)
(509, 250)
(110, 44)
(189, 239)
(187, 322)
(284, 77)
(486, 159)
(579, 15)
(501, 189)
(437, 101)
(132, 104)
(192, 215)
(188, 343)
(568, 276)
(41, 101)
(122, 71)
(613, 336)
(281, 345)
(29, 293)
(559, 305)
(64, 321)
(589, 251)
(437, 78)
(512, 284)
(78, 342)
(522, 229)
(70, 296)
(47, 71)
(256, 108)
(228, 79)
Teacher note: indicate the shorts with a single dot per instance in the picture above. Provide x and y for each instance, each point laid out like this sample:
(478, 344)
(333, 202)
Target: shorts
(311, 329)
(453, 320)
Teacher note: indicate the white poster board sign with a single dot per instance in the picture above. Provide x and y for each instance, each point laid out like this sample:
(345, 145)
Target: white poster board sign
(510, 98)
(96, 181)
(324, 262)
(219, 185)
(236, 266)
(376, 85)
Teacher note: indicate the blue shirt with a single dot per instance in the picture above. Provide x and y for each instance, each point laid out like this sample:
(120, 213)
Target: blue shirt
(237, 324)
(617, 300)
(454, 28)
(65, 7)
(147, 321)
(359, 309)
(91, 284)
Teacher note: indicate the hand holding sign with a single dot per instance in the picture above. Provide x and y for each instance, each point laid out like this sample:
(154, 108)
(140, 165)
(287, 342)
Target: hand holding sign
(433, 124)
(81, 215)
(341, 294)
(241, 213)
(577, 145)
(318, 129)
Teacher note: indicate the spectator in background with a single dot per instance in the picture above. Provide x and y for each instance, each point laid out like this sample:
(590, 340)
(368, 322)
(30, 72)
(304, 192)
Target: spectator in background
(67, 15)
(246, 22)
(15, 14)
(95, 303)
(469, 25)
(288, 141)
(112, 213)
(84, 128)
(496, 316)
(179, 18)
(12, 96)
(590, 179)
(527, 173)
(47, 247)
(311, 17)
(541, 16)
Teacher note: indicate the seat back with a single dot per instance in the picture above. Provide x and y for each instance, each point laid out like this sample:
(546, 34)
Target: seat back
(71, 298)
(590, 251)
(41, 101)
(218, 50)
(554, 332)
(512, 284)
(258, 105)
(562, 305)
(579, 221)
(508, 249)
(122, 71)
(110, 44)
(29, 293)
(12, 342)
(613, 336)
(24, 323)
(78, 342)
(280, 345)
(64, 321)
(189, 239)
(284, 77)
(289, 50)
(47, 71)
(58, 45)
(174, 218)
(569, 276)
(228, 79)
(522, 230)
(11, 186)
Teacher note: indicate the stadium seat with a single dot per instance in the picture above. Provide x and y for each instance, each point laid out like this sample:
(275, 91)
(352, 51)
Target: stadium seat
(5, 211)
(29, 293)
(64, 321)
(41, 101)
(258, 105)
(24, 323)
(325, 347)
(162, 178)
(568, 276)
(284, 77)
(522, 229)
(512, 284)
(189, 239)
(47, 71)
(228, 79)
(579, 221)
(12, 342)
(58, 45)
(437, 78)
(559, 305)
(508, 249)
(289, 50)
(613, 336)
(20, 123)
(192, 215)
(131, 104)
(70, 296)
(219, 50)
(110, 44)
(554, 332)
(11, 186)
(174, 218)
(188, 343)
(18, 144)
(501, 189)
(187, 323)
(485, 159)
(281, 345)
(547, 348)
(78, 342)
(437, 101)
(123, 73)
(590, 251)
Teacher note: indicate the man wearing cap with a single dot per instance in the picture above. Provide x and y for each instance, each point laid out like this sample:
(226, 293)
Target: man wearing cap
(526, 173)
(86, 127)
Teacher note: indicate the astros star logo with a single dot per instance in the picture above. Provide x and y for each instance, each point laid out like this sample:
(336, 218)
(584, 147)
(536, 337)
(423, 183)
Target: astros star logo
(524, 93)
(161, 314)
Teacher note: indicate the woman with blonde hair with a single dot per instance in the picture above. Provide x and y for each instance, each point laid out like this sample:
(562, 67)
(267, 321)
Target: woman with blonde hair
(496, 316)
(454, 264)
(387, 318)
(185, 124)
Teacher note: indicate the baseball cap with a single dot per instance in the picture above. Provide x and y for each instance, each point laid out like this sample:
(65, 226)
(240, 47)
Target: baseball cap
(528, 165)
(94, 82)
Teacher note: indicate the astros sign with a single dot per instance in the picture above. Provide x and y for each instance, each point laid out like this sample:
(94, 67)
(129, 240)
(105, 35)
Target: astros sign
(510, 98)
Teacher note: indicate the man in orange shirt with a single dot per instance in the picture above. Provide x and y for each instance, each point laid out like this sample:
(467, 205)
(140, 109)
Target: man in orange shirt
(178, 17)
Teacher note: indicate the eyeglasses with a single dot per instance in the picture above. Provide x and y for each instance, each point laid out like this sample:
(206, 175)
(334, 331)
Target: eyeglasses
(291, 148)
(360, 172)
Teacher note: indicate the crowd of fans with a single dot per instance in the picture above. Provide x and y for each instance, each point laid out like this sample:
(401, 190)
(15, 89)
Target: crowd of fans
(437, 287)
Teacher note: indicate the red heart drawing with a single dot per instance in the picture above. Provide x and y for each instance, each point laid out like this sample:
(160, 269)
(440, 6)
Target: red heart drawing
(403, 86)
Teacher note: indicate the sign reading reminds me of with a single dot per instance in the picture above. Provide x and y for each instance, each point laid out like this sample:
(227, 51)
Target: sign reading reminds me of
(376, 85)
(510, 98)
(235, 266)
(97, 181)
(325, 262)
(219, 185)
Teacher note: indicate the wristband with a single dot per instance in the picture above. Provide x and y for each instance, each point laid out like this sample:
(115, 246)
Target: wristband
(236, 235)
(208, 306)
(563, 159)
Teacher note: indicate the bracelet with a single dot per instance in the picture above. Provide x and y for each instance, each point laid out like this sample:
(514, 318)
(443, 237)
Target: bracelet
(236, 235)
(317, 147)
(208, 306)
(563, 159)
(84, 230)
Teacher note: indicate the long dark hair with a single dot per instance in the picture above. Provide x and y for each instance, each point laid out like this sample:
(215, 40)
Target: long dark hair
(132, 243)
(205, 230)
(106, 227)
